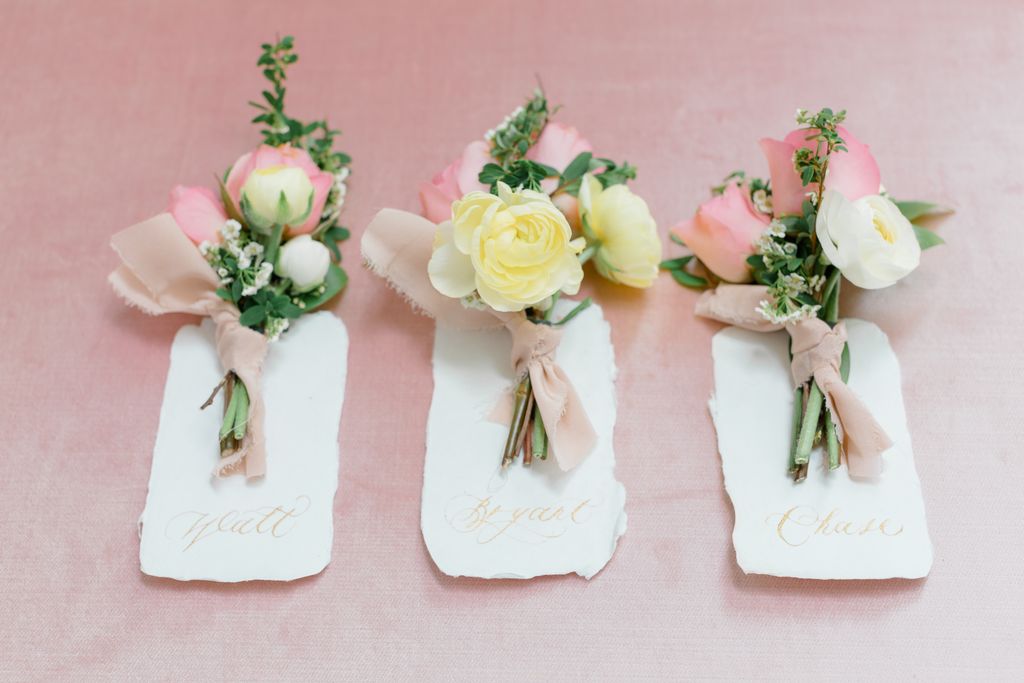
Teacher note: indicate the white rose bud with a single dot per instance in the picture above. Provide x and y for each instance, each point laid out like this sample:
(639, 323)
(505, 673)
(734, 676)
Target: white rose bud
(277, 195)
(869, 240)
(304, 261)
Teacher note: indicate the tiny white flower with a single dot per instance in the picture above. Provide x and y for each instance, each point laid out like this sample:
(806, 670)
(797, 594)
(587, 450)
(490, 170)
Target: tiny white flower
(249, 290)
(204, 247)
(231, 230)
(223, 272)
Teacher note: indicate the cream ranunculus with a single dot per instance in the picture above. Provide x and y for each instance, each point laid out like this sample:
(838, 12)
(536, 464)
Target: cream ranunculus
(277, 195)
(869, 240)
(628, 246)
(514, 249)
(304, 261)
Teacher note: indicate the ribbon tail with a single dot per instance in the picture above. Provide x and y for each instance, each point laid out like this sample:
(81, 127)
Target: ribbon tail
(736, 305)
(570, 433)
(864, 439)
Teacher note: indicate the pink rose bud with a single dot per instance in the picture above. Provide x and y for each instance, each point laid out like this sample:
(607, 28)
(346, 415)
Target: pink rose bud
(723, 232)
(198, 212)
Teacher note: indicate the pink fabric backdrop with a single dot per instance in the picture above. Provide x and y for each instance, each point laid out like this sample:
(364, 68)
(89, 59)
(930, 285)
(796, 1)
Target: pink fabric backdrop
(108, 104)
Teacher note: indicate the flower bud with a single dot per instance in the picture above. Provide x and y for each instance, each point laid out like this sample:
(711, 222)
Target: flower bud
(277, 195)
(304, 261)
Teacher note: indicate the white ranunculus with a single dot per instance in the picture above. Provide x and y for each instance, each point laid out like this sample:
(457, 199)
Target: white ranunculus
(304, 261)
(869, 240)
(277, 195)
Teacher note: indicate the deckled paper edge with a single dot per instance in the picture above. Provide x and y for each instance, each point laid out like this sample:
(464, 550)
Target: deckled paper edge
(713, 410)
(621, 523)
(334, 488)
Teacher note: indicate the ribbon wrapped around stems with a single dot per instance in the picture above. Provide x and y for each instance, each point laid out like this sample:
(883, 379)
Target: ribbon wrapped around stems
(817, 353)
(161, 272)
(397, 245)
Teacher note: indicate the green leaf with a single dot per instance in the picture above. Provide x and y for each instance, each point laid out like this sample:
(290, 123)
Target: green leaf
(334, 282)
(252, 316)
(927, 238)
(225, 294)
(229, 206)
(914, 210)
(688, 280)
(677, 239)
(676, 263)
(578, 166)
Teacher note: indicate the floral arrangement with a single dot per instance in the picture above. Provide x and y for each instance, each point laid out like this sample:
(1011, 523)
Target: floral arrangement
(823, 216)
(517, 216)
(269, 235)
(535, 206)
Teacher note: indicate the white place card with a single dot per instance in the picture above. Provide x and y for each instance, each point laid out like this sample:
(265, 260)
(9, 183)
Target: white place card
(278, 527)
(479, 520)
(830, 526)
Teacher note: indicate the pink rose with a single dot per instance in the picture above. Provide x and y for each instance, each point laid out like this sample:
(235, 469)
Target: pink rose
(266, 156)
(853, 173)
(199, 213)
(723, 232)
(556, 147)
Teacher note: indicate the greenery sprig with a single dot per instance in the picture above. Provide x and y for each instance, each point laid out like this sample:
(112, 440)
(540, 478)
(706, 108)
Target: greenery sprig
(316, 137)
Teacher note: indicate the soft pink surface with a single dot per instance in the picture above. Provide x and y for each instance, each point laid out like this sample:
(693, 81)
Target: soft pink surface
(106, 106)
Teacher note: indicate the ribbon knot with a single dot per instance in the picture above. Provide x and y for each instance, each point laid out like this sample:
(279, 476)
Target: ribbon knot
(817, 354)
(161, 272)
(397, 245)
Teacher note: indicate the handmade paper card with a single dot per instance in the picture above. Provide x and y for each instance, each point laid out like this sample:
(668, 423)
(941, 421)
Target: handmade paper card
(480, 519)
(253, 258)
(277, 527)
(832, 526)
(793, 409)
(518, 479)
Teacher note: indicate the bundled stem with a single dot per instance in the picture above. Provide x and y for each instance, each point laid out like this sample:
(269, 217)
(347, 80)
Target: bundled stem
(236, 412)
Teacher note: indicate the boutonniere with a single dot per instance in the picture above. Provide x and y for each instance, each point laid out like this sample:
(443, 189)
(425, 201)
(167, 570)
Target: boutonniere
(772, 255)
(253, 254)
(508, 228)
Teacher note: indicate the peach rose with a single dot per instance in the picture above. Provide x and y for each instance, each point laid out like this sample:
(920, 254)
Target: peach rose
(853, 173)
(723, 232)
(556, 147)
(264, 157)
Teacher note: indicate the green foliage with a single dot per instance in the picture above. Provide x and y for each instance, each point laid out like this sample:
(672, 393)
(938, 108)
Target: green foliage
(927, 238)
(812, 163)
(316, 137)
(520, 130)
(677, 269)
(914, 210)
(521, 173)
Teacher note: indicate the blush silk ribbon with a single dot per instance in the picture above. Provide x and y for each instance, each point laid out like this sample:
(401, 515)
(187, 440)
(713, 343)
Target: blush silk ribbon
(161, 272)
(817, 353)
(397, 245)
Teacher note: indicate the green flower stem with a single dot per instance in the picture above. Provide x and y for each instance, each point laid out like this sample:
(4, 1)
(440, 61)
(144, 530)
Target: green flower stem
(832, 317)
(798, 413)
(589, 251)
(241, 409)
(521, 410)
(809, 427)
(540, 436)
(273, 244)
(580, 307)
(228, 424)
(832, 442)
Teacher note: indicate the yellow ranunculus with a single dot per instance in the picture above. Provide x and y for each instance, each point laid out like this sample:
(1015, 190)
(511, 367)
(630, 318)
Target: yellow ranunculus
(629, 249)
(514, 249)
